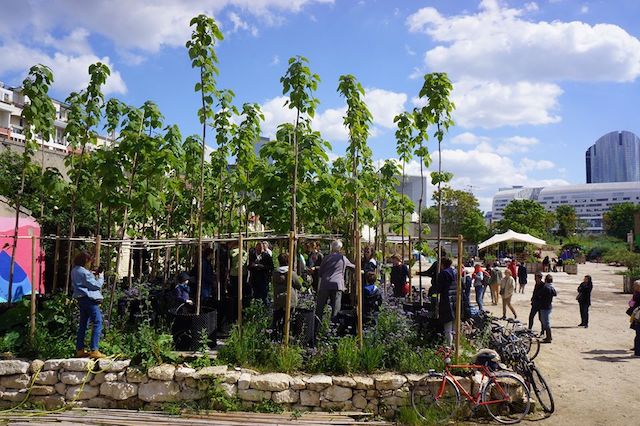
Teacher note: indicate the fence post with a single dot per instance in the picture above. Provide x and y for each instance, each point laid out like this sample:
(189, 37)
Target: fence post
(56, 258)
(287, 305)
(358, 285)
(96, 256)
(240, 280)
(32, 316)
(458, 297)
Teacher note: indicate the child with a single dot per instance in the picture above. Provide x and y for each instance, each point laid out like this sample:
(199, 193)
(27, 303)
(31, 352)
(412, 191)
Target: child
(182, 289)
(371, 298)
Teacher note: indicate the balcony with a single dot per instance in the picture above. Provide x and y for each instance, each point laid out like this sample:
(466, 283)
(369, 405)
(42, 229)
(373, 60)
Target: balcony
(5, 132)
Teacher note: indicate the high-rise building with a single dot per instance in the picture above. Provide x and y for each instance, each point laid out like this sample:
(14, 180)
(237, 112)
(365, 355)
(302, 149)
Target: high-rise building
(615, 157)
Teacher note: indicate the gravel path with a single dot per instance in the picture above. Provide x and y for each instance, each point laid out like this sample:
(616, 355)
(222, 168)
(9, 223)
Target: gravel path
(593, 374)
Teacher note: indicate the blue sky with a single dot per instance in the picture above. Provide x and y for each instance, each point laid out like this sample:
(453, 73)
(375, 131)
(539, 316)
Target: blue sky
(535, 83)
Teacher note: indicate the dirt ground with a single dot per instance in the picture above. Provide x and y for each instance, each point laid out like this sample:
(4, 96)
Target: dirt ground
(592, 372)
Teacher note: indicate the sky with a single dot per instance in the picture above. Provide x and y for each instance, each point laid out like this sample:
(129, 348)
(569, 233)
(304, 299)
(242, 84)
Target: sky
(535, 82)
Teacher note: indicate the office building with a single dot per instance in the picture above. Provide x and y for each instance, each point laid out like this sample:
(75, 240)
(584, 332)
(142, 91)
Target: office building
(615, 157)
(590, 201)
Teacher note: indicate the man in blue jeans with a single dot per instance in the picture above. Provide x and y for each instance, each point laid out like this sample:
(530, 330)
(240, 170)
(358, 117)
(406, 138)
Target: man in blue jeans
(547, 294)
(86, 290)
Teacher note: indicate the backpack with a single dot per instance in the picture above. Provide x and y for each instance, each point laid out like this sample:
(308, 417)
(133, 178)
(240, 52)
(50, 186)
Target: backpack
(486, 279)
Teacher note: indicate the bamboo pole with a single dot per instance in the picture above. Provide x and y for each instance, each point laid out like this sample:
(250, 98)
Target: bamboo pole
(409, 261)
(458, 298)
(240, 280)
(32, 316)
(56, 258)
(287, 305)
(359, 286)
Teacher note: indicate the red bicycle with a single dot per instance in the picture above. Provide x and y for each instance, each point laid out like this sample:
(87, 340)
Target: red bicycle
(437, 396)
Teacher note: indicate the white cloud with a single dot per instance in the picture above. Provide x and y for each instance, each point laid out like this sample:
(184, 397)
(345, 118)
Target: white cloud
(516, 144)
(584, 9)
(528, 164)
(70, 72)
(384, 105)
(74, 43)
(499, 42)
(491, 104)
(409, 50)
(145, 25)
(241, 25)
(275, 60)
(468, 138)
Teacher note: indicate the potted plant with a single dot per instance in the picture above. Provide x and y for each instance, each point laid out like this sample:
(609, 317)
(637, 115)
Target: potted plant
(570, 267)
(628, 278)
(533, 265)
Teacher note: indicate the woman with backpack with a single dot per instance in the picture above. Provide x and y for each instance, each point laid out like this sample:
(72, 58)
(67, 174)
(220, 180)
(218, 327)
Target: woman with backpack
(584, 300)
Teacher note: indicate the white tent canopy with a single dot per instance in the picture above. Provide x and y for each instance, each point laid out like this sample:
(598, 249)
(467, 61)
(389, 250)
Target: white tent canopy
(511, 236)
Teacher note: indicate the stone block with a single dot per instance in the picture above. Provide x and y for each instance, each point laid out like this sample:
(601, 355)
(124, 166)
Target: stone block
(158, 391)
(344, 381)
(337, 393)
(42, 390)
(136, 376)
(414, 378)
(50, 402)
(13, 395)
(81, 392)
(244, 381)
(297, 383)
(47, 378)
(230, 377)
(113, 366)
(211, 372)
(184, 373)
(364, 382)
(189, 394)
(230, 389)
(288, 396)
(52, 364)
(318, 382)
(101, 403)
(16, 381)
(359, 402)
(114, 377)
(271, 382)
(191, 382)
(389, 381)
(118, 390)
(36, 365)
(74, 377)
(61, 388)
(13, 366)
(162, 372)
(77, 364)
(336, 405)
(253, 395)
(310, 398)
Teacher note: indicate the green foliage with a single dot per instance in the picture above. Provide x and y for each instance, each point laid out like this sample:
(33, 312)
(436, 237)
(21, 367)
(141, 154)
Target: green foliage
(288, 359)
(268, 406)
(347, 356)
(460, 214)
(526, 216)
(619, 219)
(623, 256)
(567, 220)
(371, 356)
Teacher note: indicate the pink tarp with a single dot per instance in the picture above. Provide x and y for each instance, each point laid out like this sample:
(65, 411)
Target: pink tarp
(22, 269)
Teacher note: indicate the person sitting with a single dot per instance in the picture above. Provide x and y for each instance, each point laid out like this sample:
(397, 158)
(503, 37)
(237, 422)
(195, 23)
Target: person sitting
(182, 291)
(371, 298)
(279, 282)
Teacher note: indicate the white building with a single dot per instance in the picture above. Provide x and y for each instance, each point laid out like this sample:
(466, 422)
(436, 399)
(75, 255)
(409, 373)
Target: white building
(12, 102)
(412, 189)
(590, 201)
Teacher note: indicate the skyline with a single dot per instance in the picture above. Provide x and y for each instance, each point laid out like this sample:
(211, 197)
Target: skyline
(535, 83)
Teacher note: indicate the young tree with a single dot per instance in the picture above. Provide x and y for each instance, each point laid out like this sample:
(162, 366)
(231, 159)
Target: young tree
(38, 116)
(357, 120)
(567, 220)
(619, 219)
(437, 90)
(203, 57)
(525, 216)
(405, 144)
(299, 83)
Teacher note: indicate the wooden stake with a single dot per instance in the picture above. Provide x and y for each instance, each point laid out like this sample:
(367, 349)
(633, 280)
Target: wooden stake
(56, 258)
(96, 256)
(459, 298)
(287, 305)
(32, 317)
(240, 253)
(358, 285)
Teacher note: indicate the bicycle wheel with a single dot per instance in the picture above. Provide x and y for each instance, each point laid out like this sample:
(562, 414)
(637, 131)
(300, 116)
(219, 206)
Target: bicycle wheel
(506, 398)
(533, 348)
(435, 398)
(542, 390)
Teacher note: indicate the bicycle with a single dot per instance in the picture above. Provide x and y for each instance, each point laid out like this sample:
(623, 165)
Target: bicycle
(437, 396)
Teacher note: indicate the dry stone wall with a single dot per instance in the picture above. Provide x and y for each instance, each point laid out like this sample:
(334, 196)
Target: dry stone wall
(115, 384)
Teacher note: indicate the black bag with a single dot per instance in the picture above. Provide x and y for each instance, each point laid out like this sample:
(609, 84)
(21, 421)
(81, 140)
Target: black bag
(630, 311)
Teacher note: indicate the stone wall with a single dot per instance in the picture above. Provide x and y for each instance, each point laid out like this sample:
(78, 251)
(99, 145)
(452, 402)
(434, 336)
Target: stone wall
(114, 384)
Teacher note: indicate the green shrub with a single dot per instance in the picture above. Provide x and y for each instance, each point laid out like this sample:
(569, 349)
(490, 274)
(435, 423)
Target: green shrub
(347, 356)
(371, 356)
(288, 359)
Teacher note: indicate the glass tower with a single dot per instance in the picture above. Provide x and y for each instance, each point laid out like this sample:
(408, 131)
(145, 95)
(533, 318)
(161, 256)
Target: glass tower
(615, 157)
